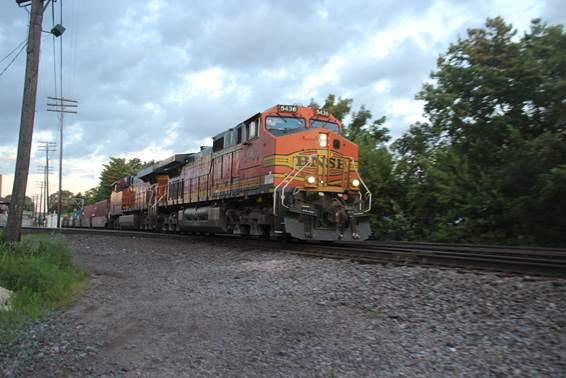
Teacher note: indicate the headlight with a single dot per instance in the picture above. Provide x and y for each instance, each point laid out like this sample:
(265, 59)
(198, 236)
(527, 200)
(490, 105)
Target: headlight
(323, 140)
(355, 182)
(311, 180)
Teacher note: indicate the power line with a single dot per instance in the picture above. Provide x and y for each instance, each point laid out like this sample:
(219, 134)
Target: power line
(71, 74)
(61, 106)
(14, 59)
(22, 45)
(61, 113)
(15, 48)
(14, 223)
(61, 50)
(54, 46)
(47, 147)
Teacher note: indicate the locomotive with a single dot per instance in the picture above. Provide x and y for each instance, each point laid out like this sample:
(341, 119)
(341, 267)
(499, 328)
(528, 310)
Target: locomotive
(285, 172)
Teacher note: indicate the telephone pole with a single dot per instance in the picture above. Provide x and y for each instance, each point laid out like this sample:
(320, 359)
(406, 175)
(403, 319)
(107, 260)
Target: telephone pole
(61, 106)
(47, 147)
(14, 224)
(45, 171)
(41, 192)
(33, 207)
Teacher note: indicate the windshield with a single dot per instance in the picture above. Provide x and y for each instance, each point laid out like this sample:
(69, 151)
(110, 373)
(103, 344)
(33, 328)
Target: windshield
(316, 124)
(284, 125)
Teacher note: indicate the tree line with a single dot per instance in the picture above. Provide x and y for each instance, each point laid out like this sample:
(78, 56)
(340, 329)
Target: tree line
(489, 163)
(112, 171)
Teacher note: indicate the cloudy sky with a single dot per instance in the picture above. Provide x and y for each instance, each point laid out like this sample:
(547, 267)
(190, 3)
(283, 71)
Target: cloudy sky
(160, 77)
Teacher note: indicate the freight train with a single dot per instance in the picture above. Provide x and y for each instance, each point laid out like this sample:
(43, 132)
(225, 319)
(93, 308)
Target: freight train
(285, 172)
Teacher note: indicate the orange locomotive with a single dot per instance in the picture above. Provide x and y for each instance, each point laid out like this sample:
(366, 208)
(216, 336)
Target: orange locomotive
(287, 171)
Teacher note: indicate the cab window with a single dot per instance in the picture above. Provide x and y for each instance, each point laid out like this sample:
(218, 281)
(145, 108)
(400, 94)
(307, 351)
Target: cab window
(317, 124)
(251, 130)
(218, 144)
(284, 125)
(239, 135)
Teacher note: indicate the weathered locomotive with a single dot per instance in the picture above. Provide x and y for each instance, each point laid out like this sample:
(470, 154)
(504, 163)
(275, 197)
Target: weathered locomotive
(287, 172)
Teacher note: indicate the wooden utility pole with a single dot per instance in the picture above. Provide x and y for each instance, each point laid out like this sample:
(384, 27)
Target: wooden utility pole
(60, 197)
(46, 147)
(61, 106)
(41, 203)
(14, 224)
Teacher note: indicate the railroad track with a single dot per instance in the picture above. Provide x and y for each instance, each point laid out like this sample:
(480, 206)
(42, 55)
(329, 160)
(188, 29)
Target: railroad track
(521, 260)
(508, 259)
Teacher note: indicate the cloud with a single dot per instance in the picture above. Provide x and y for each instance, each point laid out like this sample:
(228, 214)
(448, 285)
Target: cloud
(158, 77)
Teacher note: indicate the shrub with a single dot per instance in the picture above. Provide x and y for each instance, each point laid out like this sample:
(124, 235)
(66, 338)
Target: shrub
(41, 272)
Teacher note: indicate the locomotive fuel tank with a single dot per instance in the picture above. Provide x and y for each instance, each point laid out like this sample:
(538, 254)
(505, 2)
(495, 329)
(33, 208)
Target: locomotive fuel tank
(202, 219)
(130, 221)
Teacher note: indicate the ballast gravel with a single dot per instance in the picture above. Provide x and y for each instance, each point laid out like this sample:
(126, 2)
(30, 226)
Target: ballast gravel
(197, 307)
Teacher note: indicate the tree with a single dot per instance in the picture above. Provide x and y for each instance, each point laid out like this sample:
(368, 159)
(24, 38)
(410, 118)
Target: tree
(114, 170)
(89, 196)
(338, 107)
(28, 203)
(68, 202)
(490, 159)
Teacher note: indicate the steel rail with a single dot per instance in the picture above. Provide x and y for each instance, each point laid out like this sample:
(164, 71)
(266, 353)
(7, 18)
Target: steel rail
(552, 264)
(415, 248)
(479, 245)
(528, 260)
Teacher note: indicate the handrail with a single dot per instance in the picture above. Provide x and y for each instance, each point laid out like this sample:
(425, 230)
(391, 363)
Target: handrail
(154, 204)
(277, 188)
(285, 182)
(291, 180)
(365, 187)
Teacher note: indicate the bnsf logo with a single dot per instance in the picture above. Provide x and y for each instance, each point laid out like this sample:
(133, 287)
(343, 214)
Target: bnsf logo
(320, 161)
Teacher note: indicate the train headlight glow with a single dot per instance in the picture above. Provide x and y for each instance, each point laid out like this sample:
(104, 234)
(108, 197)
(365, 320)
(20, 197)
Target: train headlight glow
(323, 140)
(311, 180)
(355, 182)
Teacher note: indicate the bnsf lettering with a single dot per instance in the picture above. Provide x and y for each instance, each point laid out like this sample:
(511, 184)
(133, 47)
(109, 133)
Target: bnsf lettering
(320, 161)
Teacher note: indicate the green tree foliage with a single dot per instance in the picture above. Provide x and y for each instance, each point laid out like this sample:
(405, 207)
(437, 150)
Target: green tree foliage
(68, 201)
(28, 203)
(489, 163)
(89, 196)
(338, 107)
(114, 170)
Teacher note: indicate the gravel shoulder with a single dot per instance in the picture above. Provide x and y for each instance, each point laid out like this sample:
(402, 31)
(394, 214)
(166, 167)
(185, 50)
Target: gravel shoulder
(158, 307)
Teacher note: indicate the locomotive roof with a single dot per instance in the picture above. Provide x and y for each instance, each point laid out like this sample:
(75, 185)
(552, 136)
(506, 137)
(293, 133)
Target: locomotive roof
(171, 164)
(285, 110)
(164, 166)
(232, 128)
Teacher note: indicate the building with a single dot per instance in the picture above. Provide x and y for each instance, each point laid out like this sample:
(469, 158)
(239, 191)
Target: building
(3, 207)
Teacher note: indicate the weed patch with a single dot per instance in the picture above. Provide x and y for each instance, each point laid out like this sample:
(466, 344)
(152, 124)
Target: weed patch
(41, 272)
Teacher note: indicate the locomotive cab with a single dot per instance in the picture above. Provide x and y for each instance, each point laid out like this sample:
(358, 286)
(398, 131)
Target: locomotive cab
(317, 190)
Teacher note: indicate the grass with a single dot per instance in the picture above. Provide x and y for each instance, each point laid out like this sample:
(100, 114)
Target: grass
(40, 271)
